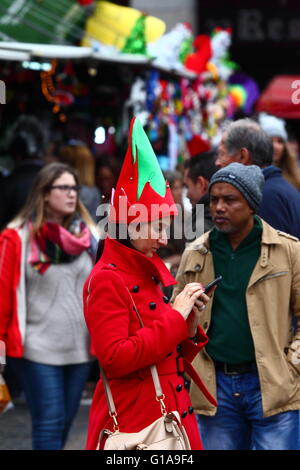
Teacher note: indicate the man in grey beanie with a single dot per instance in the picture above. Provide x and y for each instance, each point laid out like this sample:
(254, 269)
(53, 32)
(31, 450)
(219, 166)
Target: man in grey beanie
(251, 363)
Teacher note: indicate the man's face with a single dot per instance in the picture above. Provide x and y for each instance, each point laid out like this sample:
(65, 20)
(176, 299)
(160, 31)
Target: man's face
(195, 191)
(229, 209)
(223, 157)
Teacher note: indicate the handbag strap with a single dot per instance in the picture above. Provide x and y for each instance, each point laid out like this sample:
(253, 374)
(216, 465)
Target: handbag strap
(153, 369)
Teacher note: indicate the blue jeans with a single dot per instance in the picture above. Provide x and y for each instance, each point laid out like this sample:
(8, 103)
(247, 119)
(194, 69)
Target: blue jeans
(53, 396)
(239, 423)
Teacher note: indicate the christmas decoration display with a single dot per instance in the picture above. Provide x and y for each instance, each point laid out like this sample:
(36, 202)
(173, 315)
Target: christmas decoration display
(183, 91)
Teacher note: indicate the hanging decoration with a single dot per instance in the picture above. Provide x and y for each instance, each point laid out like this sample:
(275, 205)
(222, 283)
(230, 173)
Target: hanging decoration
(59, 98)
(183, 116)
(197, 60)
(136, 42)
(220, 64)
(167, 50)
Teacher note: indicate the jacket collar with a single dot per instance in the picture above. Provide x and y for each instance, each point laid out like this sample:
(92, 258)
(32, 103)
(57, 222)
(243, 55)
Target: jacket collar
(272, 172)
(269, 237)
(134, 262)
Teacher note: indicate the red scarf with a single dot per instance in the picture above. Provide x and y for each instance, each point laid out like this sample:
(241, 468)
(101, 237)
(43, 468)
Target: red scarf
(53, 244)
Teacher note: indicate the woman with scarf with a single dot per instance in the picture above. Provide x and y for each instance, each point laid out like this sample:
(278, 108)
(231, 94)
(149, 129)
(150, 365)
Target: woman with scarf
(127, 283)
(46, 254)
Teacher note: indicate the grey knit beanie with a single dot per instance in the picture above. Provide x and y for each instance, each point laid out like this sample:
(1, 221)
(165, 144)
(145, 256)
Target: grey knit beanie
(249, 180)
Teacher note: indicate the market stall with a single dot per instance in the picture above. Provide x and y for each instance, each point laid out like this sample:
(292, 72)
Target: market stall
(105, 63)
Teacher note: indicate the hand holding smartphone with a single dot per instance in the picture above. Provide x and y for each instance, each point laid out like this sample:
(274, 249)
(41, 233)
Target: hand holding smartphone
(209, 286)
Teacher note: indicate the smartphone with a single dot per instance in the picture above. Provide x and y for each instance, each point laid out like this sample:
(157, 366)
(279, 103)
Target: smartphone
(212, 284)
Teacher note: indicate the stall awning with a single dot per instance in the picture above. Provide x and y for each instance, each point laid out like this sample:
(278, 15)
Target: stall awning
(22, 51)
(281, 97)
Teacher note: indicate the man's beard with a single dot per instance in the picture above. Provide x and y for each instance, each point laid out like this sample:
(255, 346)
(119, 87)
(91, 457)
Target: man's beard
(228, 230)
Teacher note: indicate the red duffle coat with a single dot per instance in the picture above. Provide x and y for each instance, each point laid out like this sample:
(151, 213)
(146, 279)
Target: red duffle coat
(125, 350)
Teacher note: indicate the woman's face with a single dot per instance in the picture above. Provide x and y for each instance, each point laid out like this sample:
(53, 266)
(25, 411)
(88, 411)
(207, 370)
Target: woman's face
(149, 237)
(278, 149)
(61, 199)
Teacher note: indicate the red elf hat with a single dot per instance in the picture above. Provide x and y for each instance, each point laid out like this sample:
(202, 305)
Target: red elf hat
(142, 194)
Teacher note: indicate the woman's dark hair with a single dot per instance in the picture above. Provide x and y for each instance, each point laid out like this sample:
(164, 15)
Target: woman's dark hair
(120, 233)
(202, 164)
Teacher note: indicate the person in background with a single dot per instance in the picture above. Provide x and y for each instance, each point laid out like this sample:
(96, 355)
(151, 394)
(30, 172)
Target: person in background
(26, 147)
(78, 156)
(106, 177)
(251, 362)
(282, 157)
(244, 141)
(172, 251)
(198, 171)
(130, 273)
(47, 252)
(293, 147)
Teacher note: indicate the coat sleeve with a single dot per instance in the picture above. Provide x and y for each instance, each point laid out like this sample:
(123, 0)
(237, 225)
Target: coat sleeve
(108, 310)
(9, 254)
(190, 348)
(294, 349)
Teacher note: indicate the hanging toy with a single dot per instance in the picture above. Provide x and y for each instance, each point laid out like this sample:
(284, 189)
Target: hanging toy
(152, 89)
(186, 48)
(137, 102)
(166, 49)
(242, 84)
(220, 43)
(197, 60)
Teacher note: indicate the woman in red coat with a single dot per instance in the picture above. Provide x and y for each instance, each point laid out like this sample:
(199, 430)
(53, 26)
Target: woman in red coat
(130, 272)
